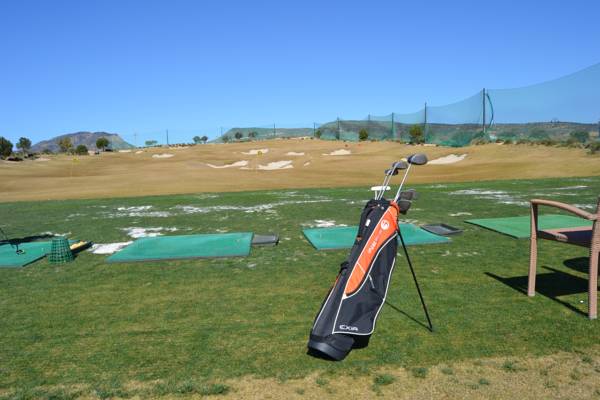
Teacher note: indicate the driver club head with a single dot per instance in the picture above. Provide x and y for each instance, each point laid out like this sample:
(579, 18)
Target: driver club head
(396, 166)
(417, 159)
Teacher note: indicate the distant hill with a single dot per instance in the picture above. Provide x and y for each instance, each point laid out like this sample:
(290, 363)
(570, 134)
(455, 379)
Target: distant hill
(86, 138)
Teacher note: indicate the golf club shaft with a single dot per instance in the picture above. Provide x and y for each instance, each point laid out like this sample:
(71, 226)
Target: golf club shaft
(402, 183)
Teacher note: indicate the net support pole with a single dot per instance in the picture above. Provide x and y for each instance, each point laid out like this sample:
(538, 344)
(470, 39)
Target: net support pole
(483, 108)
(425, 121)
(274, 133)
(338, 128)
(167, 137)
(393, 126)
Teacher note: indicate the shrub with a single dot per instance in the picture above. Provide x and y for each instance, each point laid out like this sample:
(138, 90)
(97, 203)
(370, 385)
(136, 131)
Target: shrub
(239, 135)
(363, 135)
(5, 147)
(318, 134)
(65, 144)
(197, 139)
(580, 136)
(417, 135)
(594, 147)
(81, 150)
(225, 139)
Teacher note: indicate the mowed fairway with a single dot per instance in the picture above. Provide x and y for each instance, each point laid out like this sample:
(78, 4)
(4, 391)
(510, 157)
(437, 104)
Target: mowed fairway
(238, 327)
(186, 170)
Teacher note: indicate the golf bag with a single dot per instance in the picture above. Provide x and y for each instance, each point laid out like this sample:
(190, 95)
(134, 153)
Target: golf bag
(347, 317)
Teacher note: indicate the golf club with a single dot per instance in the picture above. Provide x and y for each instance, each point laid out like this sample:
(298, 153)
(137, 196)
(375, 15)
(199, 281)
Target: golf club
(396, 166)
(415, 159)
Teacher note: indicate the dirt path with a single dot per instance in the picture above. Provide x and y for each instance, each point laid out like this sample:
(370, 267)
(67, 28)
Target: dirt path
(131, 174)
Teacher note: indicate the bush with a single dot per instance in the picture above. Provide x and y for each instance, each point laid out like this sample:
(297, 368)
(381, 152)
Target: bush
(363, 135)
(239, 135)
(65, 144)
(225, 139)
(81, 150)
(5, 147)
(417, 135)
(548, 142)
(579, 136)
(480, 141)
(318, 134)
(594, 147)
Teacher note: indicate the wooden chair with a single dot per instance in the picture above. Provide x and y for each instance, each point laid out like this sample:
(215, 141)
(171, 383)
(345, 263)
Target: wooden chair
(583, 236)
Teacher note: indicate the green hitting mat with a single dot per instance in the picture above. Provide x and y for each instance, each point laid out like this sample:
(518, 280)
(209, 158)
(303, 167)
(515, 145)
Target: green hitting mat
(342, 237)
(185, 246)
(32, 251)
(519, 227)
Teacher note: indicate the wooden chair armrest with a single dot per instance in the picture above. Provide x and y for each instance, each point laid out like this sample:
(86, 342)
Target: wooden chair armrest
(566, 207)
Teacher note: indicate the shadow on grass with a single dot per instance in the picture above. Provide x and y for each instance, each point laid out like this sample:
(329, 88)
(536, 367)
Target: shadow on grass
(26, 239)
(580, 264)
(551, 285)
(407, 315)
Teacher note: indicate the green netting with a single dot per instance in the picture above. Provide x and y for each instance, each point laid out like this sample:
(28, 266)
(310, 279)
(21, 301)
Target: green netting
(60, 252)
(342, 237)
(519, 227)
(32, 251)
(186, 246)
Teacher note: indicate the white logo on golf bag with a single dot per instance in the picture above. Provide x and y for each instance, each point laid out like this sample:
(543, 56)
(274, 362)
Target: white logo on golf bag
(349, 328)
(385, 225)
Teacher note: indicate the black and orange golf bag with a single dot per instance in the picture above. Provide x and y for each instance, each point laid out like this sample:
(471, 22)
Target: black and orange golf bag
(347, 317)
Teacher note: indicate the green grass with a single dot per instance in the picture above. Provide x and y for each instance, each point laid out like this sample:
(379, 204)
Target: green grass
(192, 324)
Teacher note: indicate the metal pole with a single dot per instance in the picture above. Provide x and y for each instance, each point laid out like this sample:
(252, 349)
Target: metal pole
(167, 137)
(392, 126)
(483, 99)
(425, 122)
(314, 128)
(338, 128)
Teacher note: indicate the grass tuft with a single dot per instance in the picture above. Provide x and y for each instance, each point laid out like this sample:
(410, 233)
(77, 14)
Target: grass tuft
(419, 372)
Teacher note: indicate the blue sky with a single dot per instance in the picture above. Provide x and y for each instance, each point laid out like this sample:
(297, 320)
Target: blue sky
(193, 66)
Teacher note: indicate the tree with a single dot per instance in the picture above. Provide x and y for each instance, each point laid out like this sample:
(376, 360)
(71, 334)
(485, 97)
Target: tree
(65, 144)
(5, 147)
(150, 143)
(239, 135)
(204, 139)
(197, 139)
(416, 134)
(580, 136)
(363, 135)
(225, 139)
(24, 145)
(102, 143)
(81, 149)
(318, 134)
(252, 134)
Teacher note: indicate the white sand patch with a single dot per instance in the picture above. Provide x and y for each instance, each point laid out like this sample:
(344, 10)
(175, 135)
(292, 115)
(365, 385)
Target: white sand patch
(268, 207)
(255, 152)
(108, 248)
(499, 196)
(306, 164)
(125, 151)
(325, 223)
(42, 159)
(458, 214)
(139, 152)
(163, 155)
(48, 233)
(585, 206)
(136, 211)
(572, 187)
(293, 153)
(340, 152)
(136, 232)
(285, 164)
(241, 163)
(449, 159)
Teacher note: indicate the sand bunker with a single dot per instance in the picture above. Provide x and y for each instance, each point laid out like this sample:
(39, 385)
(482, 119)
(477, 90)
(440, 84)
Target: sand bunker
(125, 151)
(108, 248)
(255, 152)
(340, 152)
(139, 152)
(241, 163)
(306, 164)
(41, 159)
(285, 164)
(163, 155)
(449, 159)
(293, 153)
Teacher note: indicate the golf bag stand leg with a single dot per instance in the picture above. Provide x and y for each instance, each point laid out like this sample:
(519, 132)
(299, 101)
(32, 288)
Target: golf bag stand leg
(415, 279)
